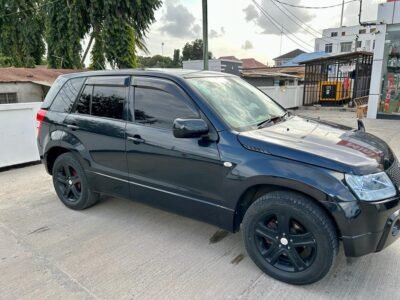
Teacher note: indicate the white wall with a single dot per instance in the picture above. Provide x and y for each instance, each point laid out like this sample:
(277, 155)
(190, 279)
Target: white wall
(213, 65)
(18, 133)
(26, 91)
(287, 96)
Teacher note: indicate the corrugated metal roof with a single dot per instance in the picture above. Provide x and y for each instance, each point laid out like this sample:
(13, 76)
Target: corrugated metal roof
(40, 75)
(304, 57)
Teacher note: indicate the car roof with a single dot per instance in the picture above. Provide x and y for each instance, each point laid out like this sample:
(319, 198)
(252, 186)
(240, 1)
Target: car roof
(165, 73)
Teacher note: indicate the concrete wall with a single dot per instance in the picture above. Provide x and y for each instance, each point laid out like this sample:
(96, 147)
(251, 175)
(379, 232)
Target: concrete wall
(18, 133)
(26, 91)
(288, 96)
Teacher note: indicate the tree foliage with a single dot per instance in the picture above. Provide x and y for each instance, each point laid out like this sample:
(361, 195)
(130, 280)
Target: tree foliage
(194, 50)
(22, 32)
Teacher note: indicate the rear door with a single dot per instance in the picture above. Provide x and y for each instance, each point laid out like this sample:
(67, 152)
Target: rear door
(98, 122)
(180, 174)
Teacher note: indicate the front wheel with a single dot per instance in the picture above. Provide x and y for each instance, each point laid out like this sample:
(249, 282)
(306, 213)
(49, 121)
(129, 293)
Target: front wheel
(290, 237)
(70, 183)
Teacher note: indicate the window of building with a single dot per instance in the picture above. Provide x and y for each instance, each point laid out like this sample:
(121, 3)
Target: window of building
(328, 48)
(108, 101)
(333, 34)
(373, 44)
(159, 108)
(6, 98)
(345, 47)
(343, 33)
(372, 30)
(359, 44)
(66, 97)
(362, 31)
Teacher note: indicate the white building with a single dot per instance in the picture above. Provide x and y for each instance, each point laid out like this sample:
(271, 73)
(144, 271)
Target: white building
(346, 39)
(218, 65)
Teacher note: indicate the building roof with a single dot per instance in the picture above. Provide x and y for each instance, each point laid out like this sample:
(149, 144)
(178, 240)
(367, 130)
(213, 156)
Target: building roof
(266, 74)
(229, 58)
(290, 54)
(304, 57)
(251, 63)
(39, 75)
(341, 56)
(296, 70)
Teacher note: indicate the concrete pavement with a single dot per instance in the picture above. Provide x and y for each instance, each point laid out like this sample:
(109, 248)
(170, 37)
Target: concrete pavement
(120, 249)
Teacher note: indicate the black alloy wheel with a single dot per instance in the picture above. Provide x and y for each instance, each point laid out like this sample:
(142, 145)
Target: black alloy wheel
(70, 183)
(290, 237)
(285, 243)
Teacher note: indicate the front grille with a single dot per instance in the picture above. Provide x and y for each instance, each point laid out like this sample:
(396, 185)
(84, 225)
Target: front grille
(394, 172)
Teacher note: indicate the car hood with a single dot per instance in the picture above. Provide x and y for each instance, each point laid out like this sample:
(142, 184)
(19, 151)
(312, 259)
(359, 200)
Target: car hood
(321, 143)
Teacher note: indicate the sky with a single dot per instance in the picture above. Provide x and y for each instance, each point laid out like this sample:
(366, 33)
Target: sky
(239, 28)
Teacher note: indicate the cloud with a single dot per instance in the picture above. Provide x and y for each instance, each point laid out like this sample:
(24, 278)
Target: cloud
(282, 15)
(251, 13)
(247, 45)
(179, 22)
(215, 34)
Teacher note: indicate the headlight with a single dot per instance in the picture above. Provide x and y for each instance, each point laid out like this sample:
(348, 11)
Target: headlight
(371, 187)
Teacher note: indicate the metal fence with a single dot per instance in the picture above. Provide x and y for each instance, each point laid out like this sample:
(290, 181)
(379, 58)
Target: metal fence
(339, 79)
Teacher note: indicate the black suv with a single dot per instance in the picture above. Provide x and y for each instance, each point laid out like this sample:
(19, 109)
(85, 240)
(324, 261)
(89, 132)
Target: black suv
(212, 147)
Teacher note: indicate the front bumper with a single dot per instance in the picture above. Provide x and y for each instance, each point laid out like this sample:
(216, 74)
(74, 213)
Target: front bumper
(366, 243)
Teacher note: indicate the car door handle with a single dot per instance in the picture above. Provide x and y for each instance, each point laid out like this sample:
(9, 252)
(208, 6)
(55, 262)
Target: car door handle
(72, 127)
(136, 139)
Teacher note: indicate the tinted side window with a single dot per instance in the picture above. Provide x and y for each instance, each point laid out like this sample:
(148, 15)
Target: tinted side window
(66, 96)
(83, 106)
(159, 108)
(108, 101)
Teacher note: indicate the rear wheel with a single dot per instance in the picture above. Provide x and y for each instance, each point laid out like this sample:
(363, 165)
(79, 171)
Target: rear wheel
(290, 238)
(70, 183)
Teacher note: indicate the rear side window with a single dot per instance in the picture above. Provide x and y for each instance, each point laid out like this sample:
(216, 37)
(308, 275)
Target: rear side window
(83, 106)
(65, 98)
(158, 108)
(108, 101)
(102, 101)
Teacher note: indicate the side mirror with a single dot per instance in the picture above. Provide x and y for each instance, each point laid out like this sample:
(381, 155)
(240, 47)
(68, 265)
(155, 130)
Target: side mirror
(190, 128)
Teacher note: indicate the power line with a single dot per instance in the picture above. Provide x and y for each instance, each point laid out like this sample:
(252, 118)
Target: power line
(281, 28)
(314, 7)
(33, 8)
(302, 23)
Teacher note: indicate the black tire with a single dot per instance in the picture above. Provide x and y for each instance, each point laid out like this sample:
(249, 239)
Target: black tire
(290, 238)
(70, 183)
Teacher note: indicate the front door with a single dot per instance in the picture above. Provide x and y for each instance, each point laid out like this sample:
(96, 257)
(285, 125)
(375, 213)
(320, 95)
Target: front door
(180, 174)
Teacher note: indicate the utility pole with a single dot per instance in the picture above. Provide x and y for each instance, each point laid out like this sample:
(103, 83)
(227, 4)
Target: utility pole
(162, 49)
(341, 18)
(205, 36)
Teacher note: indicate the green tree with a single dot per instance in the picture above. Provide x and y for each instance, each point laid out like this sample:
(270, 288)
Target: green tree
(194, 50)
(177, 58)
(64, 24)
(156, 61)
(117, 27)
(22, 32)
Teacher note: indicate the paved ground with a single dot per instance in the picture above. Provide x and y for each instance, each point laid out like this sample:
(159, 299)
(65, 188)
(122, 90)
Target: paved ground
(124, 250)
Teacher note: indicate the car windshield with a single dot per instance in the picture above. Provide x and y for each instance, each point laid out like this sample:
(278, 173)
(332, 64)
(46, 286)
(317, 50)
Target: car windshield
(239, 104)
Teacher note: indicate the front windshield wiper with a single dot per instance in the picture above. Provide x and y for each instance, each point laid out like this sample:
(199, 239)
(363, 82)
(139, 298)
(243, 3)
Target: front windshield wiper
(272, 119)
